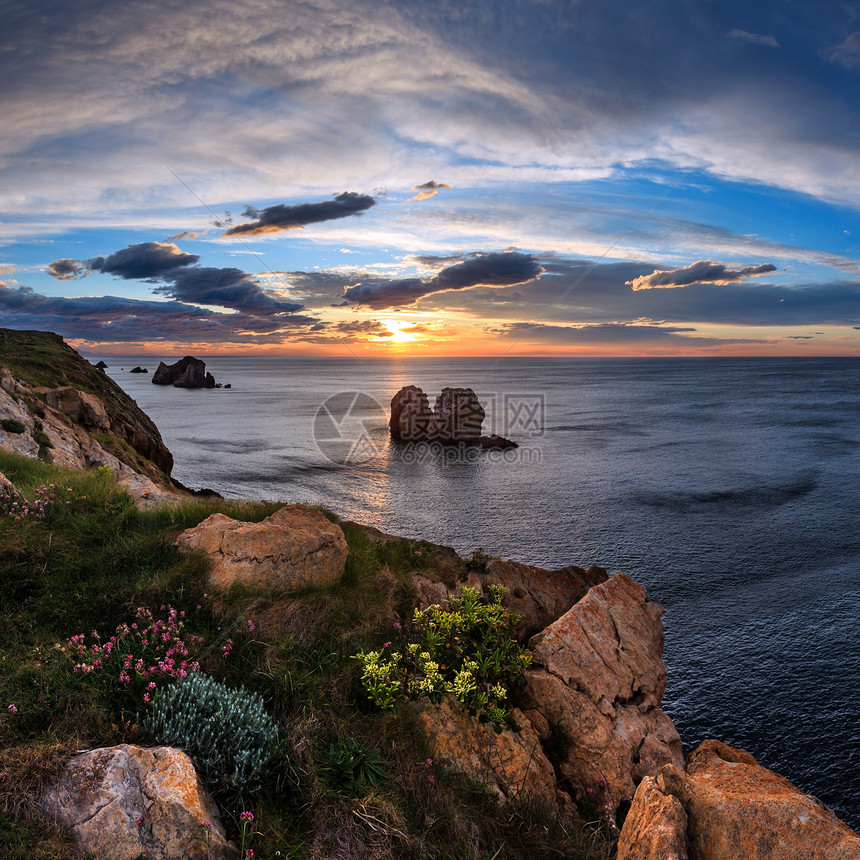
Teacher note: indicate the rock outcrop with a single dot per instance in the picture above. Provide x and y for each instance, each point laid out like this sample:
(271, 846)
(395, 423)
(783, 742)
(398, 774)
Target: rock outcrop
(596, 682)
(538, 596)
(80, 407)
(126, 802)
(295, 546)
(456, 417)
(63, 435)
(512, 764)
(733, 808)
(188, 372)
(655, 827)
(138, 369)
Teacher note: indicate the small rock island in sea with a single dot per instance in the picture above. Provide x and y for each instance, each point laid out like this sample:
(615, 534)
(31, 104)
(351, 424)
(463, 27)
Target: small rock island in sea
(188, 372)
(456, 418)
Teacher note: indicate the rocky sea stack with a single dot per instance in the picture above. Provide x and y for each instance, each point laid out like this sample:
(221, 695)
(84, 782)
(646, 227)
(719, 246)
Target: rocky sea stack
(188, 372)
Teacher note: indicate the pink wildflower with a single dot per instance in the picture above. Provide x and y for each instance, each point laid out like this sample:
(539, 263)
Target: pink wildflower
(246, 816)
(13, 709)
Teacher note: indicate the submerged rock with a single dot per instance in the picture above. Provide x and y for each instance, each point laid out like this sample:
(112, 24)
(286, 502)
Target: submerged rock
(494, 442)
(127, 802)
(295, 546)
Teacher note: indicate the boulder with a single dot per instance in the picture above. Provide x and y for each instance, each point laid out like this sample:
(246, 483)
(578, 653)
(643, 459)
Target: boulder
(295, 546)
(655, 827)
(127, 802)
(188, 372)
(80, 407)
(598, 679)
(511, 764)
(737, 808)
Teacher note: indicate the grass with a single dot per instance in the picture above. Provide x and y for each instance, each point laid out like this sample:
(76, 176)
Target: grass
(90, 564)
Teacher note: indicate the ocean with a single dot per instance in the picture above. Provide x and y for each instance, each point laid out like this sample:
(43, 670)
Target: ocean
(728, 487)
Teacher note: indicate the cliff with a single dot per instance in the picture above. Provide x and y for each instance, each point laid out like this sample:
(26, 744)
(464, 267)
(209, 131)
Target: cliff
(55, 405)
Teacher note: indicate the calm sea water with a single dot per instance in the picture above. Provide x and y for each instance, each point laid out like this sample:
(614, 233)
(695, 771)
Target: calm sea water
(730, 488)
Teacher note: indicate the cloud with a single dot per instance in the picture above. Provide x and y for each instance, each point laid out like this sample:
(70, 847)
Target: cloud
(277, 219)
(112, 319)
(704, 271)
(428, 190)
(227, 288)
(499, 269)
(67, 270)
(755, 38)
(848, 53)
(145, 260)
(185, 234)
(181, 278)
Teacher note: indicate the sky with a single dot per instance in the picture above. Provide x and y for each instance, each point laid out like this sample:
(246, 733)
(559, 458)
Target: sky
(430, 177)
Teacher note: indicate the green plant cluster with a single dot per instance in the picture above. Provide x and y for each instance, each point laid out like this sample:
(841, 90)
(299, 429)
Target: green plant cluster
(12, 425)
(349, 765)
(227, 733)
(469, 651)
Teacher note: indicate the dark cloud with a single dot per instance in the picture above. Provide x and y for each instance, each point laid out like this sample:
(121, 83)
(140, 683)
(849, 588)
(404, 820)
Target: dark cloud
(367, 327)
(848, 53)
(227, 288)
(277, 219)
(704, 271)
(66, 269)
(576, 290)
(181, 278)
(146, 260)
(493, 270)
(428, 189)
(111, 319)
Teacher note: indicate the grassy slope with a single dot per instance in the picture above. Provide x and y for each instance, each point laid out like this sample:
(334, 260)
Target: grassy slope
(43, 359)
(90, 564)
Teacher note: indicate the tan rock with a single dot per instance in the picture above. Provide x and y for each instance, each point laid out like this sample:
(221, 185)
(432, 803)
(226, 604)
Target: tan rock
(295, 546)
(124, 802)
(81, 407)
(538, 596)
(736, 808)
(598, 677)
(655, 827)
(511, 764)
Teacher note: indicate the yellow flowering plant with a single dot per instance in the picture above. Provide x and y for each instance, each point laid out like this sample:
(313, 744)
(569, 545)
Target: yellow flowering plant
(469, 651)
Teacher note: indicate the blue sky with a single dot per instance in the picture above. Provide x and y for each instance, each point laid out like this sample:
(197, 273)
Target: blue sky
(336, 176)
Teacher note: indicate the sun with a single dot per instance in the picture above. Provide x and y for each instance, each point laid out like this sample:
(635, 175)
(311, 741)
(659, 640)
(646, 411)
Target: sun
(397, 334)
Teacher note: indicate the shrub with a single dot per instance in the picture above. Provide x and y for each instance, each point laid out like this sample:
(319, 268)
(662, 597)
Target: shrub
(227, 733)
(11, 425)
(470, 652)
(348, 765)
